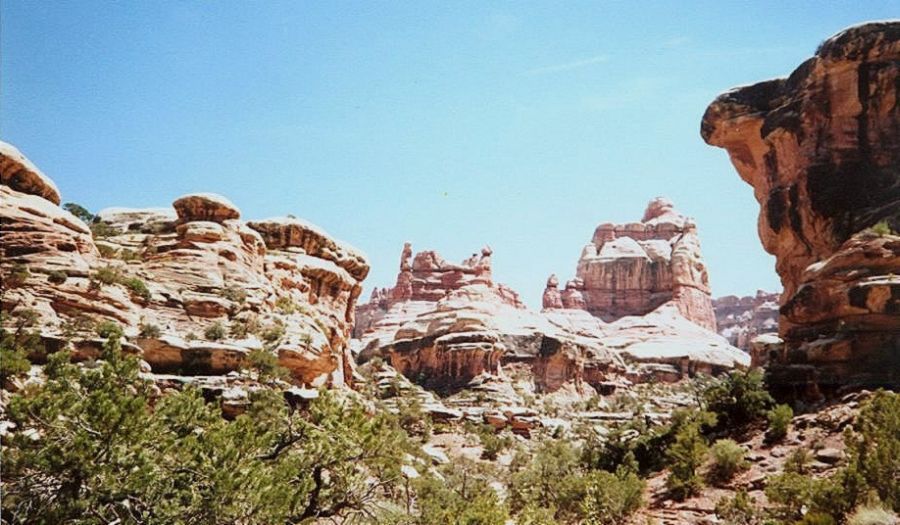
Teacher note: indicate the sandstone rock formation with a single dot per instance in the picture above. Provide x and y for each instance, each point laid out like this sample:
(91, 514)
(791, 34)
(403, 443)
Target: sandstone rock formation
(821, 149)
(740, 319)
(634, 268)
(195, 288)
(649, 282)
(445, 325)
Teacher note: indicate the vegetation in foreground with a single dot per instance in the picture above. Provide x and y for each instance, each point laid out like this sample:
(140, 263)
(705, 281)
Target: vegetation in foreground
(98, 444)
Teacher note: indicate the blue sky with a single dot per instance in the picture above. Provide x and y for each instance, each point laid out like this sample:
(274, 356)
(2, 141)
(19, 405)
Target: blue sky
(448, 124)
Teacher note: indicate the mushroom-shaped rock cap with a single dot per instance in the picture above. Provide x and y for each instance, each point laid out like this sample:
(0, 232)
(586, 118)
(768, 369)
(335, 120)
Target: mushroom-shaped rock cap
(17, 172)
(205, 207)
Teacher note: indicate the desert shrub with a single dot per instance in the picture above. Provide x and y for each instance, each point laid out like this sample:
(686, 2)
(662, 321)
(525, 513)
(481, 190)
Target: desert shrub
(816, 518)
(17, 341)
(75, 325)
(872, 514)
(882, 228)
(87, 444)
(265, 363)
(100, 230)
(609, 499)
(109, 329)
(137, 287)
(234, 294)
(874, 446)
(285, 305)
(738, 510)
(789, 492)
(107, 275)
(149, 331)
(18, 274)
(779, 422)
(242, 327)
(128, 255)
(57, 277)
(493, 442)
(79, 211)
(536, 515)
(685, 457)
(798, 460)
(462, 497)
(272, 333)
(548, 478)
(726, 460)
(738, 399)
(107, 251)
(215, 332)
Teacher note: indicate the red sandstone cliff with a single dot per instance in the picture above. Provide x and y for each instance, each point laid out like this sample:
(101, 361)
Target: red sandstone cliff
(821, 149)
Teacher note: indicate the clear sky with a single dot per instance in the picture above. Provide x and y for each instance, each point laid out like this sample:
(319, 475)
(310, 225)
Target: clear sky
(452, 125)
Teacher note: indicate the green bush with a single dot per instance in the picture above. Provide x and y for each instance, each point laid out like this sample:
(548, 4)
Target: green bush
(738, 399)
(149, 331)
(100, 230)
(779, 422)
(107, 275)
(816, 518)
(685, 457)
(106, 251)
(882, 228)
(79, 211)
(57, 277)
(738, 510)
(215, 332)
(611, 498)
(18, 274)
(265, 363)
(872, 515)
(798, 460)
(726, 460)
(87, 444)
(241, 327)
(234, 294)
(137, 287)
(493, 442)
(548, 477)
(462, 497)
(273, 333)
(285, 305)
(109, 329)
(17, 341)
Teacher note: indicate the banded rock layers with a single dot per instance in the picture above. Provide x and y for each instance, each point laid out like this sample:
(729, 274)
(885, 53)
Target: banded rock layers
(195, 288)
(821, 149)
(634, 268)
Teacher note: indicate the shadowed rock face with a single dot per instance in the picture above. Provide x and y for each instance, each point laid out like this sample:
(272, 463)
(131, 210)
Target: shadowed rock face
(281, 283)
(821, 149)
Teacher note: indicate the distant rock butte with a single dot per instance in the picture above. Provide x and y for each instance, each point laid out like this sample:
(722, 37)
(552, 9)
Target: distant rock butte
(821, 149)
(280, 284)
(740, 319)
(634, 268)
(446, 325)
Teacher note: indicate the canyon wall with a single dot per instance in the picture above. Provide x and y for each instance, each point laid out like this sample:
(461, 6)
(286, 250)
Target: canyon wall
(740, 319)
(821, 149)
(447, 325)
(195, 288)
